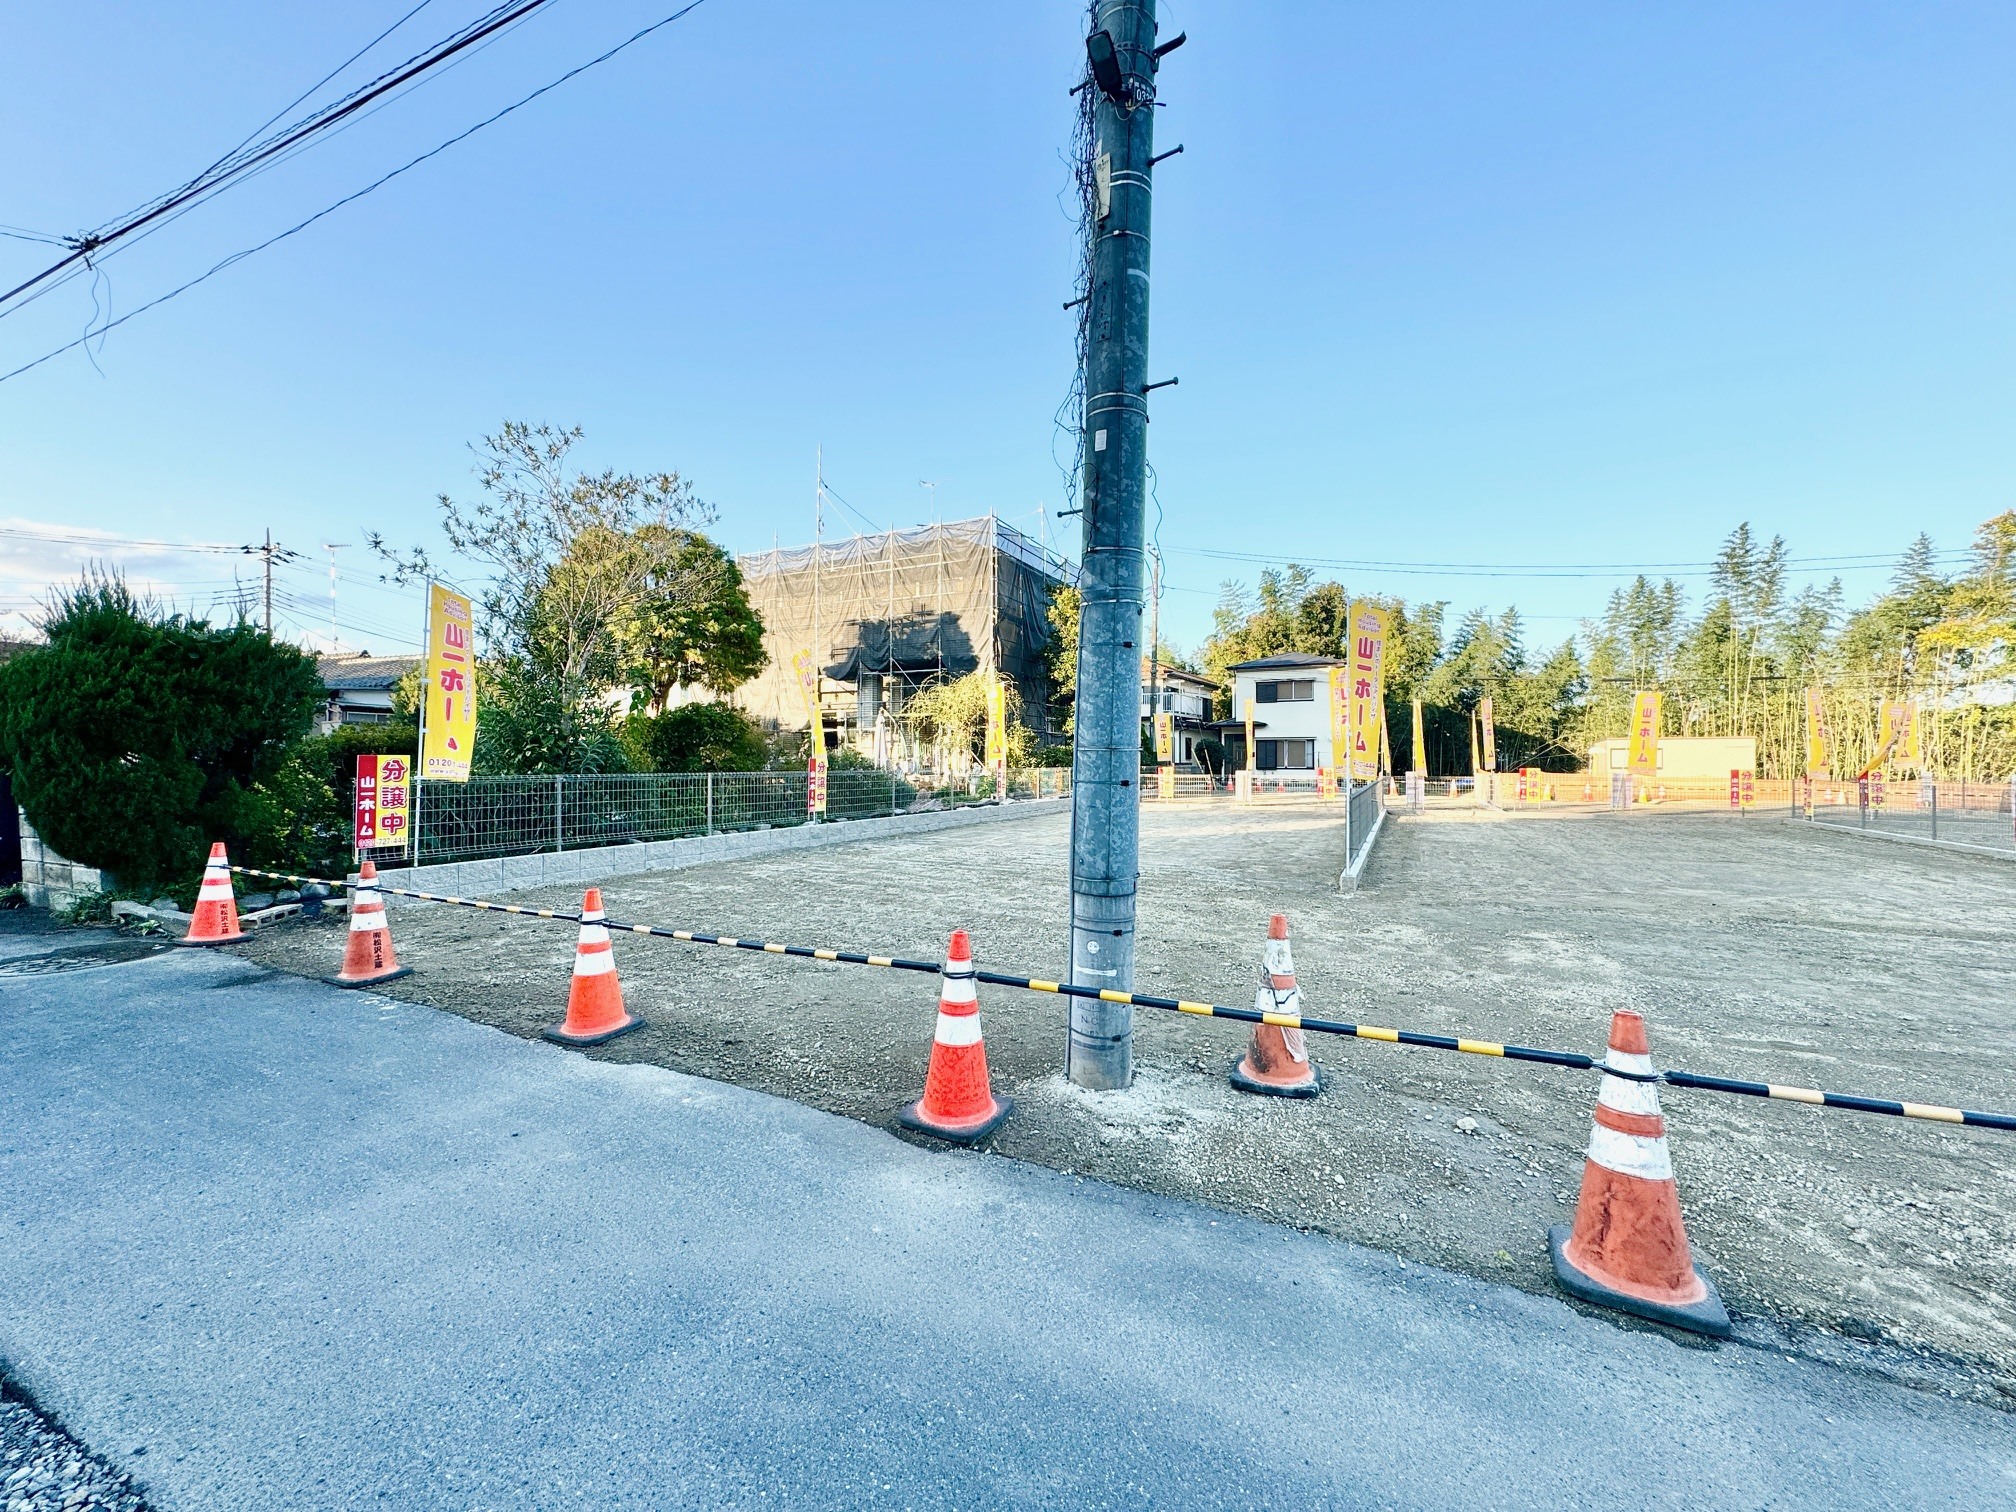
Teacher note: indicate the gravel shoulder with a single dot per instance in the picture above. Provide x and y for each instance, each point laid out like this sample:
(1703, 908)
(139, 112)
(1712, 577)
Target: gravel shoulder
(1754, 949)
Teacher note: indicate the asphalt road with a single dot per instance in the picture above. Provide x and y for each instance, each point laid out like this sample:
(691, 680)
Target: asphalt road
(271, 1245)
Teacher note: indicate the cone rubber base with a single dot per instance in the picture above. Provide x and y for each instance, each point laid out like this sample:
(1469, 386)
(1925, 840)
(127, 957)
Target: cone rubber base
(560, 1036)
(965, 1134)
(1708, 1316)
(370, 981)
(1245, 1083)
(221, 940)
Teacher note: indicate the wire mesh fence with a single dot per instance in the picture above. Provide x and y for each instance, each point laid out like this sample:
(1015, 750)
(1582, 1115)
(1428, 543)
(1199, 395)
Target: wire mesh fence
(517, 816)
(1963, 815)
(1366, 799)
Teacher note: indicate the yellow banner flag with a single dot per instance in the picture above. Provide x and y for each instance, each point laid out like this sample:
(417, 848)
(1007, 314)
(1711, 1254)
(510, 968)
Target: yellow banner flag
(1817, 759)
(1366, 645)
(997, 735)
(1420, 761)
(448, 712)
(1490, 735)
(1644, 754)
(1897, 736)
(1340, 725)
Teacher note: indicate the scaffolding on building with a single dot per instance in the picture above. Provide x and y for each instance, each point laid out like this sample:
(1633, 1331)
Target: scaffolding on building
(885, 615)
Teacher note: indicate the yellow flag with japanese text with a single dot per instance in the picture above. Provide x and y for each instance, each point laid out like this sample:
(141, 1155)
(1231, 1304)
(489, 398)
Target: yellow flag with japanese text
(1644, 752)
(448, 712)
(1816, 734)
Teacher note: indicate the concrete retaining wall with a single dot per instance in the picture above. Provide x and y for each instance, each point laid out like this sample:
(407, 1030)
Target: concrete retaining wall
(49, 880)
(482, 879)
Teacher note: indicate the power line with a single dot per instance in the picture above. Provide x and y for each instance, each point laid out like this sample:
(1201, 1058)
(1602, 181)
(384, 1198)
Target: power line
(310, 90)
(74, 538)
(236, 164)
(378, 183)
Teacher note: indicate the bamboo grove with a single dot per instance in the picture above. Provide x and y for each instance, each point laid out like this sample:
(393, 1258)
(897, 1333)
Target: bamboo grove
(1943, 634)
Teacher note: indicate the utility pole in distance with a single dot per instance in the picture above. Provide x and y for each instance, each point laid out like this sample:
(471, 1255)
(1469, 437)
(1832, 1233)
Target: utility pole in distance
(1106, 737)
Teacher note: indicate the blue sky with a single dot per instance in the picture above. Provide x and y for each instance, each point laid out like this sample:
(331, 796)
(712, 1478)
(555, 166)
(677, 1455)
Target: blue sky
(1459, 284)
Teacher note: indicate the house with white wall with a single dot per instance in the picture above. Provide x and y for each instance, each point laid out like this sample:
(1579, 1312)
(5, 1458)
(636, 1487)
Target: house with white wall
(1185, 697)
(1290, 696)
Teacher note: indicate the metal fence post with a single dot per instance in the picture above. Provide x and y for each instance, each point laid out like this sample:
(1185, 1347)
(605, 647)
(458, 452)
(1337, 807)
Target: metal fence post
(1935, 811)
(710, 803)
(892, 792)
(559, 824)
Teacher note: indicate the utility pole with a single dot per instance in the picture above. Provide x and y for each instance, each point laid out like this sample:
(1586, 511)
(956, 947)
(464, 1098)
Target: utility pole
(332, 547)
(1106, 741)
(268, 554)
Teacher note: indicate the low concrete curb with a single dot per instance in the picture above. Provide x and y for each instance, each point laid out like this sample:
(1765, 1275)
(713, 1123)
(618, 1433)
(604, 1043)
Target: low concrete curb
(1347, 880)
(476, 879)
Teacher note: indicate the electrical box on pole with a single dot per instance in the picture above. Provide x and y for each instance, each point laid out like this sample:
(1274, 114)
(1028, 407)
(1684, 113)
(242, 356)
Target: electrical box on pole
(1122, 58)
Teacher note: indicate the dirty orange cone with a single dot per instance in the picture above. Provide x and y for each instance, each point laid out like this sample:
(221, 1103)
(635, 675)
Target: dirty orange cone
(958, 1104)
(1277, 1062)
(595, 1010)
(368, 957)
(1628, 1247)
(215, 921)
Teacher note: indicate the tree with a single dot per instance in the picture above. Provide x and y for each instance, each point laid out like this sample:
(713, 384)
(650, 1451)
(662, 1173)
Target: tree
(694, 623)
(1061, 655)
(952, 716)
(572, 558)
(136, 737)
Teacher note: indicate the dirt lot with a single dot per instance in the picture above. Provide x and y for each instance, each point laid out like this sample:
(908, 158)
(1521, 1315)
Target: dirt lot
(1755, 949)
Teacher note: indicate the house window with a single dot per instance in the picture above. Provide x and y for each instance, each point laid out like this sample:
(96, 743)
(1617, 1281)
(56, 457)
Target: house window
(1297, 690)
(1286, 755)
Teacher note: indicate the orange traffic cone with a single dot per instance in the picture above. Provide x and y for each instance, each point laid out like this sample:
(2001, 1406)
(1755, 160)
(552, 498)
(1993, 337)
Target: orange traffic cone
(595, 1002)
(215, 921)
(1628, 1247)
(1277, 1063)
(958, 1103)
(368, 958)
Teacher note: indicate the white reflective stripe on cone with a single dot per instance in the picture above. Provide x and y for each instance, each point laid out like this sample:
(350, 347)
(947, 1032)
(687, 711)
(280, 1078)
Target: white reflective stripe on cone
(958, 1029)
(1630, 1154)
(958, 989)
(366, 920)
(594, 963)
(594, 934)
(1629, 1097)
(1267, 1000)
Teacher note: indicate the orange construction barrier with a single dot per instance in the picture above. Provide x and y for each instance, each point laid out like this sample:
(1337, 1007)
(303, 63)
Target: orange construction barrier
(368, 957)
(595, 1011)
(1628, 1247)
(215, 921)
(1277, 1063)
(958, 1103)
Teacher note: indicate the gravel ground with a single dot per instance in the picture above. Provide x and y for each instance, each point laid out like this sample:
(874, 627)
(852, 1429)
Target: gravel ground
(1756, 950)
(43, 1469)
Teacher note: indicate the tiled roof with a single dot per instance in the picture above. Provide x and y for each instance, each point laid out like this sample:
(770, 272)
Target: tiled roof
(364, 672)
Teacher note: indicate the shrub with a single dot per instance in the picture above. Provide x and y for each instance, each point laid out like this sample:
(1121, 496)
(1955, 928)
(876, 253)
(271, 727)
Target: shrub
(695, 737)
(136, 736)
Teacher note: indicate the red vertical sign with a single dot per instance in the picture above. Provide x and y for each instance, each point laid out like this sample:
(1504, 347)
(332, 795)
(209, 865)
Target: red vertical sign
(367, 802)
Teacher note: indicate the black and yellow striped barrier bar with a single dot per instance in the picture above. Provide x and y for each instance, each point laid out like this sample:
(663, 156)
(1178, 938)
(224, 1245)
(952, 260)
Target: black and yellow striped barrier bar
(1818, 1099)
(1569, 1058)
